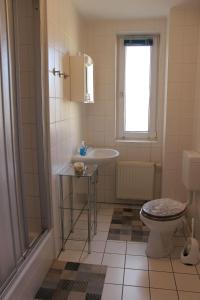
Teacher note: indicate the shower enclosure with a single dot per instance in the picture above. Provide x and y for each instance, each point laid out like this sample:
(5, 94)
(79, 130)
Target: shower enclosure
(24, 190)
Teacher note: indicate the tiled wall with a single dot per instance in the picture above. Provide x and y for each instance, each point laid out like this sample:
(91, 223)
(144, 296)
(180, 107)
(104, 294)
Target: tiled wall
(65, 36)
(24, 19)
(196, 140)
(179, 112)
(101, 46)
(68, 119)
(196, 137)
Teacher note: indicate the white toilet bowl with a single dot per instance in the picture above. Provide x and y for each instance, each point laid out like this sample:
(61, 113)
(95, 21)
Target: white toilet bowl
(162, 217)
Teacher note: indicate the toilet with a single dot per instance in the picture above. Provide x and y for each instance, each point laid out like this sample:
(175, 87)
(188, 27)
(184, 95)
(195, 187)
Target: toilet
(162, 217)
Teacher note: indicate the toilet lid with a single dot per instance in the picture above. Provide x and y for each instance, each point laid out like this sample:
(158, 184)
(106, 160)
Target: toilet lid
(163, 208)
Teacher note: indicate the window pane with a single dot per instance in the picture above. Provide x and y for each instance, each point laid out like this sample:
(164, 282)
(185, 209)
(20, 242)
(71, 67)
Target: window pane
(137, 87)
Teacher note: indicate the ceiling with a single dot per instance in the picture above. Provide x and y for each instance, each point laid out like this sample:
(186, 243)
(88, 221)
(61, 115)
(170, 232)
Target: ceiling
(126, 9)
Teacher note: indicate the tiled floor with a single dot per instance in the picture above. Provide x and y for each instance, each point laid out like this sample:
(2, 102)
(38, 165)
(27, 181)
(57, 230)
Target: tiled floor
(130, 274)
(72, 280)
(126, 225)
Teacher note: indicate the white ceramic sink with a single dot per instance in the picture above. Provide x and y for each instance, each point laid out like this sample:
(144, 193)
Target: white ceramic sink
(97, 155)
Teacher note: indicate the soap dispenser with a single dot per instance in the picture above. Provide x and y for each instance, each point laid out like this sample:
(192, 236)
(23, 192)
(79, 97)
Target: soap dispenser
(83, 149)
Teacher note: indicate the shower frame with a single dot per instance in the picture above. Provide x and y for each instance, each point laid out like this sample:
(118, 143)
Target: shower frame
(22, 249)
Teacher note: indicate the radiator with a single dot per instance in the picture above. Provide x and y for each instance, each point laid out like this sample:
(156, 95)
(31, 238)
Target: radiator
(135, 180)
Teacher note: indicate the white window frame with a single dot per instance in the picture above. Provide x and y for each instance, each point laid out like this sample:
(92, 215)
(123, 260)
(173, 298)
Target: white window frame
(152, 133)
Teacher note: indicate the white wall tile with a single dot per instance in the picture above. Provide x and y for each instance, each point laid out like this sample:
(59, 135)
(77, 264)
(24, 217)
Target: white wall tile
(101, 45)
(66, 129)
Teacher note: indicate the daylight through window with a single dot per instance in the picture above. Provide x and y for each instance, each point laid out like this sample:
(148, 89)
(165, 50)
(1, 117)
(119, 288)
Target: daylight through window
(137, 86)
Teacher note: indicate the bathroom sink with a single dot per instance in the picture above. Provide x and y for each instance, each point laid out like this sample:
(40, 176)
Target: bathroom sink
(97, 155)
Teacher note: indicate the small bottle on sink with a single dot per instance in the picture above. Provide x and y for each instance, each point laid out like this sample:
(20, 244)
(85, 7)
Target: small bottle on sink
(83, 149)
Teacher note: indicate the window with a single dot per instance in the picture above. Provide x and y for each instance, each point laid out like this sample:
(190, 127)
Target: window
(137, 86)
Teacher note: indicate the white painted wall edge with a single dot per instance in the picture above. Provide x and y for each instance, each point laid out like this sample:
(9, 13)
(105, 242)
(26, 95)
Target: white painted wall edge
(28, 281)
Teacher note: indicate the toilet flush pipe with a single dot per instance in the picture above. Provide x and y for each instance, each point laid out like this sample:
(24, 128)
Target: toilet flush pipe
(190, 197)
(192, 235)
(192, 203)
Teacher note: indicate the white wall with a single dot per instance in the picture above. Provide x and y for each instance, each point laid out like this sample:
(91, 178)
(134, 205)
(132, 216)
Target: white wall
(179, 112)
(65, 36)
(181, 115)
(101, 46)
(196, 136)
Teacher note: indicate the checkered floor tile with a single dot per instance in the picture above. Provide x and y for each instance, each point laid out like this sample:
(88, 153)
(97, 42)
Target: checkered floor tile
(70, 280)
(130, 273)
(126, 225)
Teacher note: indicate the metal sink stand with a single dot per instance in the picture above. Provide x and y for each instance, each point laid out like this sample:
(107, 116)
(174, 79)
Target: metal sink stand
(91, 174)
